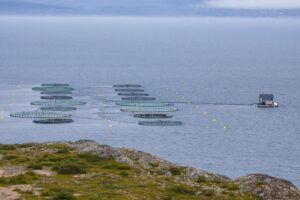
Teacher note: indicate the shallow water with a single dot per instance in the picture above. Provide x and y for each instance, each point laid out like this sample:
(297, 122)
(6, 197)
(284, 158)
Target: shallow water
(224, 63)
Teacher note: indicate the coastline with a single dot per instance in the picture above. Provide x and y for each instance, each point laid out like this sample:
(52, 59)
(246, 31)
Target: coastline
(137, 166)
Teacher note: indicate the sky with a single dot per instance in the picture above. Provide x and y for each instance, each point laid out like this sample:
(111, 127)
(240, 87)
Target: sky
(152, 7)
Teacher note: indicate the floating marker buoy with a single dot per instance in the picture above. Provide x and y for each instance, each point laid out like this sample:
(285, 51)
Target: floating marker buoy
(110, 126)
(214, 120)
(204, 113)
(225, 127)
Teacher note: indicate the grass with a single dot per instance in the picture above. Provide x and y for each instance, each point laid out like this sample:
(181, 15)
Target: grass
(87, 176)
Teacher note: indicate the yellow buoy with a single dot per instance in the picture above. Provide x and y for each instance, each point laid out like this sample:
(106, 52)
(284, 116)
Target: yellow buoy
(110, 126)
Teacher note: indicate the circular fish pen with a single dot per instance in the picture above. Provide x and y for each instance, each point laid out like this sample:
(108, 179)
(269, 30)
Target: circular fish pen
(55, 85)
(56, 93)
(133, 94)
(160, 123)
(152, 116)
(53, 121)
(57, 97)
(149, 109)
(127, 85)
(143, 104)
(58, 108)
(129, 90)
(138, 98)
(52, 89)
(51, 103)
(40, 114)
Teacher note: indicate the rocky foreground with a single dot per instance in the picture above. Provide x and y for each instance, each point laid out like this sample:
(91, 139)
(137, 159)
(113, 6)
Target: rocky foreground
(88, 170)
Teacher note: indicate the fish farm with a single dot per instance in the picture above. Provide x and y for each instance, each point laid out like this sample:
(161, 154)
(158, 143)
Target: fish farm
(54, 85)
(53, 121)
(133, 99)
(160, 123)
(143, 104)
(52, 89)
(138, 98)
(54, 102)
(40, 114)
(58, 108)
(127, 85)
(56, 97)
(152, 116)
(57, 93)
(133, 94)
(149, 109)
(129, 90)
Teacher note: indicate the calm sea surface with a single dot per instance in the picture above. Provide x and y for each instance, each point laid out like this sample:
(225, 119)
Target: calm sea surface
(220, 65)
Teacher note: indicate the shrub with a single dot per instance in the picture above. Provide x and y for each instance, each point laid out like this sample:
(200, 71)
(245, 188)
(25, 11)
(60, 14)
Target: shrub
(70, 168)
(25, 145)
(116, 165)
(168, 197)
(208, 193)
(18, 179)
(59, 194)
(7, 147)
(175, 170)
(230, 186)
(182, 189)
(35, 166)
(9, 157)
(201, 179)
(90, 157)
(124, 173)
(63, 150)
(154, 165)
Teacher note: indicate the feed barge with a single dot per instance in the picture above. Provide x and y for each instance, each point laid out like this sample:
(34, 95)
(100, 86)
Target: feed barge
(266, 101)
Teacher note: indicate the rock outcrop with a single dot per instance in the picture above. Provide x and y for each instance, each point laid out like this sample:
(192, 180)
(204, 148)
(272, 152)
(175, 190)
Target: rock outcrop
(263, 186)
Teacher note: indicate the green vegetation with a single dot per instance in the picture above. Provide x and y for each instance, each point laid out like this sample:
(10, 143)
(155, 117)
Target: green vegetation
(86, 176)
(230, 186)
(175, 170)
(201, 179)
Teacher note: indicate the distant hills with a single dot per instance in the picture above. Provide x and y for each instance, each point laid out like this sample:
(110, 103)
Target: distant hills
(131, 8)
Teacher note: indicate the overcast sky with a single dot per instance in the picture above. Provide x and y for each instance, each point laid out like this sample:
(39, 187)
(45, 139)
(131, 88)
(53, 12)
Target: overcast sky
(254, 4)
(153, 7)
